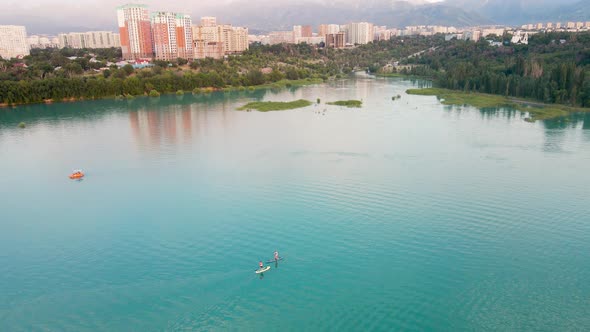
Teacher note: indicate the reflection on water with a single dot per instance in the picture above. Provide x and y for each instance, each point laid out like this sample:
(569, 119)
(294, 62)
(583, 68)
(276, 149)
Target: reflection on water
(463, 222)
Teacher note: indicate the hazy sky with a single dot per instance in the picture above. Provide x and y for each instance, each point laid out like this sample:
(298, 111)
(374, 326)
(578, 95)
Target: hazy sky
(100, 14)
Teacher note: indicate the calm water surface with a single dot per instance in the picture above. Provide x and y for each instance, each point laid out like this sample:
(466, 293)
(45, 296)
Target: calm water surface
(402, 215)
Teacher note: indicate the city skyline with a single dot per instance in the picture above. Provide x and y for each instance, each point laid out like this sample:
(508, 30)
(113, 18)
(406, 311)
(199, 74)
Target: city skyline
(44, 17)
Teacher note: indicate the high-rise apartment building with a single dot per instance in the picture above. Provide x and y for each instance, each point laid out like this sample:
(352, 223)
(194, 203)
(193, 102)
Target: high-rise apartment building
(302, 31)
(239, 40)
(279, 37)
(172, 36)
(164, 35)
(208, 49)
(135, 30)
(328, 29)
(306, 31)
(13, 41)
(359, 33)
(297, 32)
(336, 40)
(184, 36)
(90, 39)
(207, 39)
(208, 21)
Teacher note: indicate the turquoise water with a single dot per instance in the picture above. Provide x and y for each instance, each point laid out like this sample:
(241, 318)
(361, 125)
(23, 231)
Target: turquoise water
(403, 215)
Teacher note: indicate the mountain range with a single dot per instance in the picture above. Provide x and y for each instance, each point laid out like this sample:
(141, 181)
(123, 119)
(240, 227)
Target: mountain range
(276, 14)
(267, 15)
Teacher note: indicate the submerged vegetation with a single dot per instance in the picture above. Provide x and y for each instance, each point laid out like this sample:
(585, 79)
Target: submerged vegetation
(22, 125)
(347, 103)
(265, 106)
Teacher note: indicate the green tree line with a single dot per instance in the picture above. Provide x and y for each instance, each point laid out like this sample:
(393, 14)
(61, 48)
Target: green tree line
(552, 68)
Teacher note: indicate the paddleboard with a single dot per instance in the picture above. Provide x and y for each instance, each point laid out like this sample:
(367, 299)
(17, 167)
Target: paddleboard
(264, 269)
(272, 261)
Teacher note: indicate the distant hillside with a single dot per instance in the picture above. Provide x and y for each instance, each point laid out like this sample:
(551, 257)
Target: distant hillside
(275, 15)
(267, 15)
(576, 12)
(518, 12)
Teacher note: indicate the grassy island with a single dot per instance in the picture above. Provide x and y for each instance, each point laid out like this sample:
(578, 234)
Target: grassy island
(347, 103)
(266, 106)
(538, 111)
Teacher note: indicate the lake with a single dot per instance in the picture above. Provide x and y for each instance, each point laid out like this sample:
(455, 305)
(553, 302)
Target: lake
(400, 215)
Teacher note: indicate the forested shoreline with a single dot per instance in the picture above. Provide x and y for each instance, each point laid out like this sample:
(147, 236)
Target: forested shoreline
(67, 74)
(552, 68)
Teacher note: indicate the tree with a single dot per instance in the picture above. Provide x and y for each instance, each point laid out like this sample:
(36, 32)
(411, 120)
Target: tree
(128, 69)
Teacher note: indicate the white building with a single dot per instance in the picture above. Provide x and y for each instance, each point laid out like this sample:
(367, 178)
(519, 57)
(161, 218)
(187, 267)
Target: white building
(233, 40)
(13, 41)
(90, 39)
(359, 33)
(328, 29)
(310, 40)
(135, 29)
(297, 31)
(492, 31)
(519, 38)
(208, 21)
(164, 35)
(279, 37)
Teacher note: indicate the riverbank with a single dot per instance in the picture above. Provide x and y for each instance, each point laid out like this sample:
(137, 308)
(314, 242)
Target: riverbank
(536, 110)
(277, 85)
(199, 90)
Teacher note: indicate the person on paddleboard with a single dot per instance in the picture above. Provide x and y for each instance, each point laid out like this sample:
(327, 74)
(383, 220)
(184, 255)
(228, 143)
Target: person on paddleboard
(276, 255)
(261, 264)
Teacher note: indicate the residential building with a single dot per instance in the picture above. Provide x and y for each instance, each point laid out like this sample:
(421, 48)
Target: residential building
(387, 34)
(377, 31)
(473, 35)
(233, 40)
(492, 31)
(279, 37)
(328, 28)
(336, 40)
(207, 49)
(36, 41)
(164, 35)
(206, 33)
(359, 33)
(519, 38)
(172, 36)
(297, 32)
(239, 42)
(314, 40)
(135, 31)
(208, 21)
(184, 36)
(13, 41)
(306, 31)
(549, 25)
(90, 39)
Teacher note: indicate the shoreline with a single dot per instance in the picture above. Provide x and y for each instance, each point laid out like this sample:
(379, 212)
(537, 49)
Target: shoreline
(204, 90)
(536, 110)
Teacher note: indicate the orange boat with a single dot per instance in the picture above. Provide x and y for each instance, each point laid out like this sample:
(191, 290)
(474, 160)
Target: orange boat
(77, 175)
